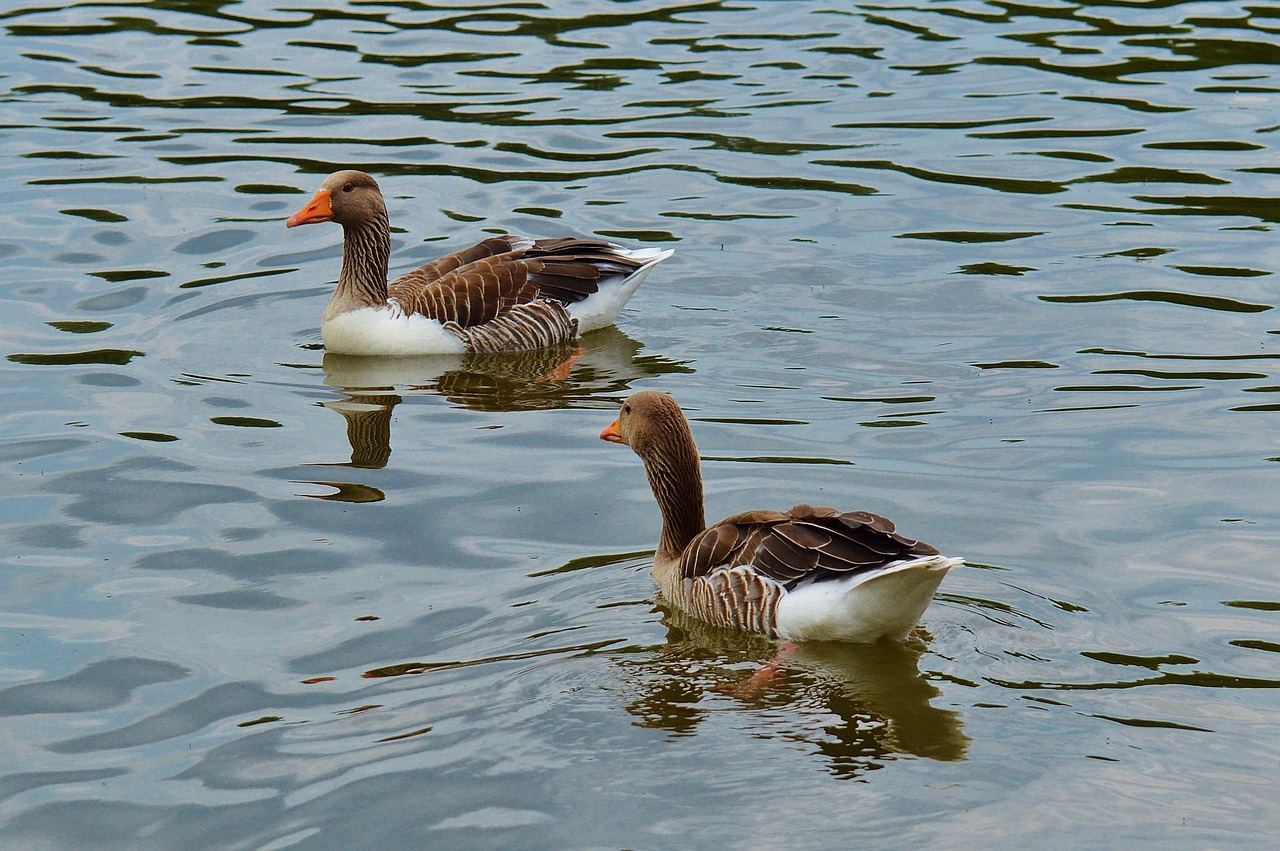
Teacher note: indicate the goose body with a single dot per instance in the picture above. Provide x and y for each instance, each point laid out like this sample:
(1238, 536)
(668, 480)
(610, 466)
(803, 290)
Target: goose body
(506, 293)
(808, 574)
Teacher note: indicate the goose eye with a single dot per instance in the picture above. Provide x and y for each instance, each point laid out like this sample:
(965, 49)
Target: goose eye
(626, 409)
(347, 187)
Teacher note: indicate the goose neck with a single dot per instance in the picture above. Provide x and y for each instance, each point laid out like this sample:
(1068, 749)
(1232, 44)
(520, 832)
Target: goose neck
(366, 249)
(676, 480)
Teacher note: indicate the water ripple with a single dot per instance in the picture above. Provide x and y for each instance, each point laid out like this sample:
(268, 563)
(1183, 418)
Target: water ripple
(1000, 270)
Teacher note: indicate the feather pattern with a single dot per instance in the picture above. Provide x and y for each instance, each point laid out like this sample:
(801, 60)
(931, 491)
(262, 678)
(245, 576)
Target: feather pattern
(534, 325)
(505, 293)
(810, 572)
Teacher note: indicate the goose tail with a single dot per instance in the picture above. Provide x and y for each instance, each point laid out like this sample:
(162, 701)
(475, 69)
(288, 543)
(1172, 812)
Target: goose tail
(601, 308)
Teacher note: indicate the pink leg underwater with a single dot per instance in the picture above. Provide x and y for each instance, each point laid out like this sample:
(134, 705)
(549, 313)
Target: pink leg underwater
(759, 682)
(562, 370)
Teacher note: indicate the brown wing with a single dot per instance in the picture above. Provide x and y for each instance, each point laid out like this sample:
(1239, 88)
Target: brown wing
(486, 281)
(803, 543)
(439, 267)
(570, 269)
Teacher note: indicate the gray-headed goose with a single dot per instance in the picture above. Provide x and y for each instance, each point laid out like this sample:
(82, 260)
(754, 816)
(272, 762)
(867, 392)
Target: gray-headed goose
(805, 574)
(507, 293)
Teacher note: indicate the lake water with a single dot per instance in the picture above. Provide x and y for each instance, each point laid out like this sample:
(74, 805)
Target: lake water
(1004, 272)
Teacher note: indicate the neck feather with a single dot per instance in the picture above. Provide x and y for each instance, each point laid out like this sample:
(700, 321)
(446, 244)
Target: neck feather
(676, 480)
(366, 248)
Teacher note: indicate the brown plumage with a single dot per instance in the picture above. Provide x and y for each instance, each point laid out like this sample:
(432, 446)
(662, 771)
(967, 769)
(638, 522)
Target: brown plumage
(771, 571)
(805, 543)
(504, 293)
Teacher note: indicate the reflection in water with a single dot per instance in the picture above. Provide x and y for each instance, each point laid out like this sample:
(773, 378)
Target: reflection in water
(346, 492)
(858, 706)
(599, 364)
(368, 417)
(1029, 215)
(603, 362)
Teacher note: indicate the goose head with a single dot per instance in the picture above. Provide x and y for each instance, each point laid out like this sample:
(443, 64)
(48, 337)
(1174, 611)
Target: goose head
(650, 422)
(346, 197)
(655, 428)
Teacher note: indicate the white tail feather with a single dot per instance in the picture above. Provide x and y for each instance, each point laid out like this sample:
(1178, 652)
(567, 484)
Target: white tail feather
(883, 604)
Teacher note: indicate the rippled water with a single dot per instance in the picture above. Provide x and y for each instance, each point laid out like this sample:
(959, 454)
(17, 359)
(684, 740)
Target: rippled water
(1002, 271)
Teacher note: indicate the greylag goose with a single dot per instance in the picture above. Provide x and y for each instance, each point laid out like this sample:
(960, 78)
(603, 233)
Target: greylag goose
(507, 293)
(808, 574)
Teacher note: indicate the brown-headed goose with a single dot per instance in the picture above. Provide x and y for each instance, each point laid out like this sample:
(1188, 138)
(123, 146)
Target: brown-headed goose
(805, 574)
(507, 293)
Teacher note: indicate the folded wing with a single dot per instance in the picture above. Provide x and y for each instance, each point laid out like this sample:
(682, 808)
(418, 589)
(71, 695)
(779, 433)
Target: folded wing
(804, 544)
(491, 279)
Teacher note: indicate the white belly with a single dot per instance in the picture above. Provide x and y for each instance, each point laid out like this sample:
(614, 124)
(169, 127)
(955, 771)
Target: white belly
(380, 331)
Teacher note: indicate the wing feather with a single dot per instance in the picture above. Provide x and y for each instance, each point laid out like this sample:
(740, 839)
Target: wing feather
(736, 572)
(803, 544)
(479, 284)
(709, 550)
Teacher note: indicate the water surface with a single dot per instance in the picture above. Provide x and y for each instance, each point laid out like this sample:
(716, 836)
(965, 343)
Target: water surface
(1003, 272)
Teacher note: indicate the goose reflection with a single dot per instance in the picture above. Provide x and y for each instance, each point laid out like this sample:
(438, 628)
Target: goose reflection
(858, 706)
(368, 417)
(602, 363)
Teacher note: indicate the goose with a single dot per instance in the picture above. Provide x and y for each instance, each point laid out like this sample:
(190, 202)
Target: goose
(807, 574)
(506, 293)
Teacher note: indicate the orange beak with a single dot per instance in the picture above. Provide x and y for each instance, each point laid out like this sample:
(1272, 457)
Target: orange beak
(611, 433)
(316, 210)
